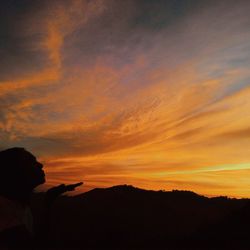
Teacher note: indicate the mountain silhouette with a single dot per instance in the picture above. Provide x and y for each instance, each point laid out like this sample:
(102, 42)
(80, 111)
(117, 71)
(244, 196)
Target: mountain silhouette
(119, 217)
(125, 217)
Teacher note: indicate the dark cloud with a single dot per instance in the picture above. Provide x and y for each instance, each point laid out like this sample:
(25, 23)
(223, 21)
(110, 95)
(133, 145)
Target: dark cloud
(17, 52)
(129, 80)
(84, 143)
(187, 134)
(236, 134)
(126, 28)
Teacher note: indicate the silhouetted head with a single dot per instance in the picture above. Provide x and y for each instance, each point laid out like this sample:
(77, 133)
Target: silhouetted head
(20, 173)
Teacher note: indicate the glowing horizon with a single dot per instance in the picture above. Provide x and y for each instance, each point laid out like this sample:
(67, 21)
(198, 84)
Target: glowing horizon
(152, 94)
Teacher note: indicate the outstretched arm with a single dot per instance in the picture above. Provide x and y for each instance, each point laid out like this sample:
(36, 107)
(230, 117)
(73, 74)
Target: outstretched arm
(55, 192)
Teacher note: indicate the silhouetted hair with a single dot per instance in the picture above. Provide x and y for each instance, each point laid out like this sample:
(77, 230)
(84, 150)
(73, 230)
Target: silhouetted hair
(18, 174)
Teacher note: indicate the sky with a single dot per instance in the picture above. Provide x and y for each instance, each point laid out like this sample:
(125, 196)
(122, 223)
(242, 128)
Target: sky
(154, 94)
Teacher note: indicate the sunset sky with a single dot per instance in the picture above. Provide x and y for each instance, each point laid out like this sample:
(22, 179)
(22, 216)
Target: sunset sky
(152, 93)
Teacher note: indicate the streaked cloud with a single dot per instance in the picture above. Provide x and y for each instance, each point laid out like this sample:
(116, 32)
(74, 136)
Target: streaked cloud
(153, 94)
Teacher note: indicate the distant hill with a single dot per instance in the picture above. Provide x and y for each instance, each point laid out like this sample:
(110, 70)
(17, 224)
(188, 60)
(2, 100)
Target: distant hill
(128, 217)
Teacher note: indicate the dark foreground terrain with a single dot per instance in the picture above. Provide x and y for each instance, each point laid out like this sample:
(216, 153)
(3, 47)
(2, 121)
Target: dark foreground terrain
(127, 217)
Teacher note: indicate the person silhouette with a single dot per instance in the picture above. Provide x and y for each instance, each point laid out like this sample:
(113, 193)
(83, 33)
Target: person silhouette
(20, 174)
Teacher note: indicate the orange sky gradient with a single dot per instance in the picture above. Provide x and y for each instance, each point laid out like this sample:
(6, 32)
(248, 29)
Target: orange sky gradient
(156, 95)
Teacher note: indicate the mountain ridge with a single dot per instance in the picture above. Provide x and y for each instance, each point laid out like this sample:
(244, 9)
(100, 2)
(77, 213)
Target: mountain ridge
(125, 216)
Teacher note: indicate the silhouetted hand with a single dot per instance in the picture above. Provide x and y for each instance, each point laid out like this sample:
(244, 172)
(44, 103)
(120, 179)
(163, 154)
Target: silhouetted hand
(54, 192)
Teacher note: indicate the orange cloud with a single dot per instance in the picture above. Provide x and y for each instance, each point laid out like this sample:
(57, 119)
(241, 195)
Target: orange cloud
(160, 112)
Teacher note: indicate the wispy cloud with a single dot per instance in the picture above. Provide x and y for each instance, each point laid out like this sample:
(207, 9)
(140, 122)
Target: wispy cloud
(111, 94)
